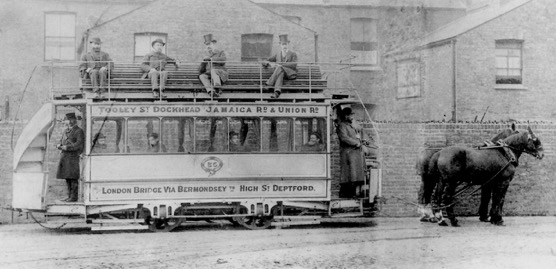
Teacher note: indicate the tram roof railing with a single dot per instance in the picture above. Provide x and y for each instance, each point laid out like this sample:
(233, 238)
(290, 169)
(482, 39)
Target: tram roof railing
(315, 82)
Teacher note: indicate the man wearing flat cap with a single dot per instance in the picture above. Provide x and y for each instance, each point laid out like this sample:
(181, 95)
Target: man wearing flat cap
(71, 146)
(154, 66)
(96, 65)
(285, 67)
(351, 157)
(213, 67)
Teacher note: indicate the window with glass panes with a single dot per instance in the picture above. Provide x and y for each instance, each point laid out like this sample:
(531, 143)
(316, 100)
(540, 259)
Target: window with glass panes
(364, 41)
(509, 62)
(59, 36)
(143, 44)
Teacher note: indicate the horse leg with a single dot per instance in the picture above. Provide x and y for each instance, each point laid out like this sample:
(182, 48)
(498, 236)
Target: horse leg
(486, 192)
(437, 202)
(448, 199)
(498, 198)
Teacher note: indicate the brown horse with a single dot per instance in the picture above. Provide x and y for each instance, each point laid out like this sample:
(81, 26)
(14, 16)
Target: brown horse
(427, 168)
(482, 167)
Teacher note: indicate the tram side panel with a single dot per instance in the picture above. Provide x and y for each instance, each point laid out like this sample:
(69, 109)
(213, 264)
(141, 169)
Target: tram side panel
(207, 177)
(198, 165)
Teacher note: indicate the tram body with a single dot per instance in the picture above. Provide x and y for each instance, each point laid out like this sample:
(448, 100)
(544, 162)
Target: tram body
(194, 171)
(204, 171)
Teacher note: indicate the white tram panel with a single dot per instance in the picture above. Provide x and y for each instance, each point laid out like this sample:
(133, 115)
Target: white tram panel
(207, 176)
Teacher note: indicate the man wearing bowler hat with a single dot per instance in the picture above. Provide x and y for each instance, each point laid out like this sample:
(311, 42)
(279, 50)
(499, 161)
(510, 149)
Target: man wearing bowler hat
(71, 146)
(351, 157)
(154, 66)
(96, 65)
(213, 67)
(285, 67)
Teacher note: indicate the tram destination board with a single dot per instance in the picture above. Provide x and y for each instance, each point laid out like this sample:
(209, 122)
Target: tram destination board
(206, 110)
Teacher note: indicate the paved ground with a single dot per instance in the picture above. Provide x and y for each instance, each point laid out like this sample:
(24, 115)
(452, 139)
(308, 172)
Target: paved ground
(525, 242)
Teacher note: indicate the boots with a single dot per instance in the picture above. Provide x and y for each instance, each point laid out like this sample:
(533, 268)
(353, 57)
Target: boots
(68, 184)
(73, 191)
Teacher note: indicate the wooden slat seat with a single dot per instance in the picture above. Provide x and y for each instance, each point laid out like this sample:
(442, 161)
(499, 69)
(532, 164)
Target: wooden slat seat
(244, 80)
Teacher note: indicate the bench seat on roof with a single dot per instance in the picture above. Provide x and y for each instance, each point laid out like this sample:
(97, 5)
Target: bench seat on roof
(245, 82)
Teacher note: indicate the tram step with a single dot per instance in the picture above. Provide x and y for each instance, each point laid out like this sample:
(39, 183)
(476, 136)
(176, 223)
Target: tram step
(119, 228)
(291, 223)
(73, 209)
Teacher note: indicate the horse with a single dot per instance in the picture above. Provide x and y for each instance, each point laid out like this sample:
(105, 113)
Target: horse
(457, 164)
(426, 168)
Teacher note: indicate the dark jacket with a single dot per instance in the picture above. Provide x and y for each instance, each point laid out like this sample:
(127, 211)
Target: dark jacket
(95, 60)
(218, 58)
(68, 167)
(156, 60)
(289, 63)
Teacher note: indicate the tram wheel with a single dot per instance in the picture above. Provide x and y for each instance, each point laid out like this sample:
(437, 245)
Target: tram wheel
(254, 222)
(163, 225)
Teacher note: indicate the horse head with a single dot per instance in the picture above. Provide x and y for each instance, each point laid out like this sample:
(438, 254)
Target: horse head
(526, 142)
(534, 145)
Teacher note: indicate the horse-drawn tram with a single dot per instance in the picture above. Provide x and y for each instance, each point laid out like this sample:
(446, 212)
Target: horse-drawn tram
(164, 162)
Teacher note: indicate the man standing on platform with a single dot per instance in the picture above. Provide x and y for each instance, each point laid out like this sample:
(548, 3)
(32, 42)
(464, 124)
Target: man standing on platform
(154, 66)
(96, 65)
(213, 67)
(351, 157)
(71, 145)
(285, 67)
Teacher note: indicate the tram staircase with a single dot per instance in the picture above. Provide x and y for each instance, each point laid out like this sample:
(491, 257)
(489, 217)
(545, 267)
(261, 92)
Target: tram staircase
(245, 84)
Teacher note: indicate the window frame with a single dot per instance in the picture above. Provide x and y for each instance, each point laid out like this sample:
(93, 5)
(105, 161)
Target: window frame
(358, 47)
(46, 37)
(508, 45)
(163, 36)
(245, 58)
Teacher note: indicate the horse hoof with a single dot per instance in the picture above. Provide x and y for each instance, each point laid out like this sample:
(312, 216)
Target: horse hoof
(442, 223)
(484, 219)
(455, 224)
(498, 223)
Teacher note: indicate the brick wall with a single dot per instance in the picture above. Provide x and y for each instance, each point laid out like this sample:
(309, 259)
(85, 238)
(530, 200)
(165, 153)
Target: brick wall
(531, 192)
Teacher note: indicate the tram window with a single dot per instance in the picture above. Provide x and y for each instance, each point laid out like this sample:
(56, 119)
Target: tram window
(310, 135)
(177, 134)
(139, 131)
(244, 135)
(211, 135)
(107, 135)
(277, 135)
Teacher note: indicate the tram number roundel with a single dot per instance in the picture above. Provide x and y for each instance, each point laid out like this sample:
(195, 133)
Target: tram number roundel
(211, 165)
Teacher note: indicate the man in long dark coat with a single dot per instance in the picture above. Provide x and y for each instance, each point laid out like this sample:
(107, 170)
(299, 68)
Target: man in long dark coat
(285, 68)
(71, 145)
(212, 71)
(351, 157)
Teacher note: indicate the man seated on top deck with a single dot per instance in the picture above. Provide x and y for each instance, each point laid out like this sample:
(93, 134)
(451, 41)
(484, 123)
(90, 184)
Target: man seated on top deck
(154, 66)
(213, 67)
(285, 67)
(96, 65)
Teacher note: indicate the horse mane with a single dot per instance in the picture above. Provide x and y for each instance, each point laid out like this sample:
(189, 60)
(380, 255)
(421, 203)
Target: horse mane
(517, 139)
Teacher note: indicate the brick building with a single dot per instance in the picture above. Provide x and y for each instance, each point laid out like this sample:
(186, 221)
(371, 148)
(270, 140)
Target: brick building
(386, 38)
(492, 64)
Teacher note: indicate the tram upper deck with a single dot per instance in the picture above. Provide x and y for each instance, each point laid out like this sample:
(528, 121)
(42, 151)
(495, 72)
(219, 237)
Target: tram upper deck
(245, 84)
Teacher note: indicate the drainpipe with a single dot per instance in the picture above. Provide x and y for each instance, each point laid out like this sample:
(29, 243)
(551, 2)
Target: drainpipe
(454, 81)
(316, 47)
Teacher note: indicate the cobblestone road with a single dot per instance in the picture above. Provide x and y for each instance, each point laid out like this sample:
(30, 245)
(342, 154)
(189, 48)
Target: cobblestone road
(526, 242)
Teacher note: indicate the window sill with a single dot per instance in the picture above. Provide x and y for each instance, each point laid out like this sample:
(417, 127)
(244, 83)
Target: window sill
(518, 87)
(366, 68)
